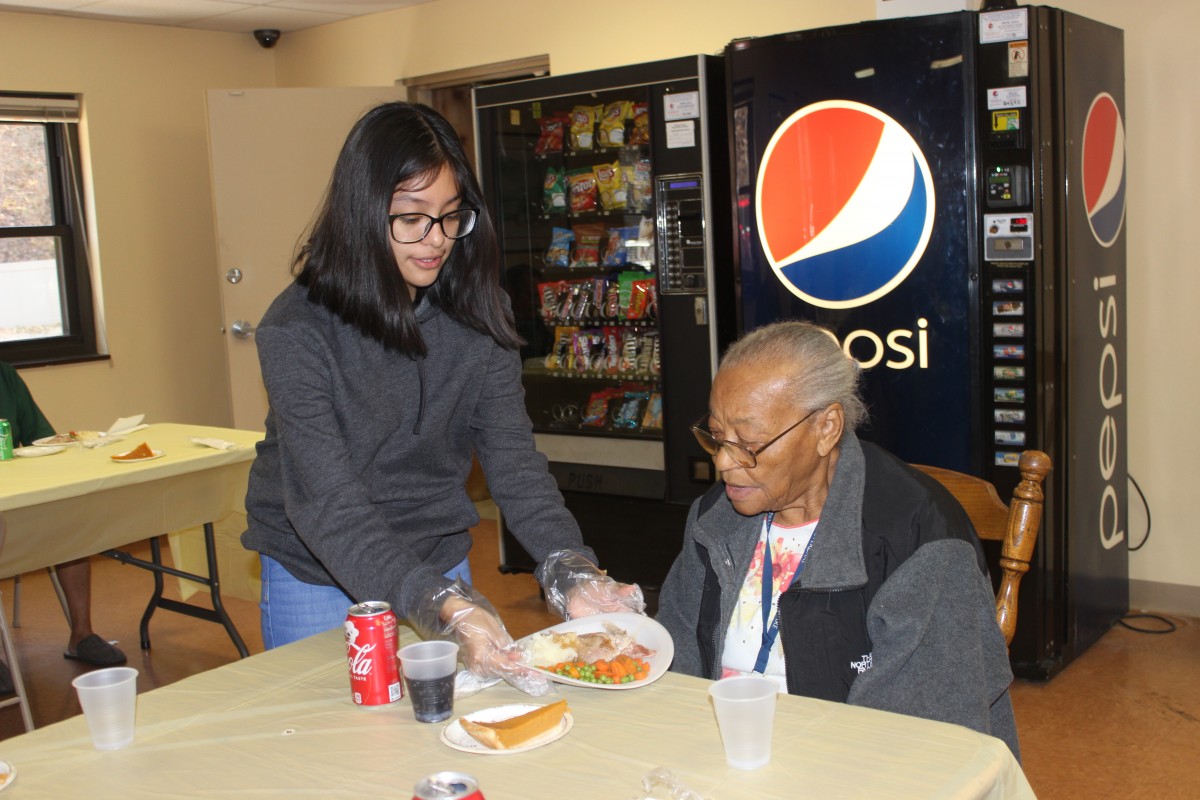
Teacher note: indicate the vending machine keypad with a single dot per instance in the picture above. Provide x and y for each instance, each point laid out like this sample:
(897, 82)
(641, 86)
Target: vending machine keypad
(681, 264)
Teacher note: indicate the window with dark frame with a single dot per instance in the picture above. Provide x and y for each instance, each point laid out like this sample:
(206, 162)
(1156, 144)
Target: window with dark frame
(46, 304)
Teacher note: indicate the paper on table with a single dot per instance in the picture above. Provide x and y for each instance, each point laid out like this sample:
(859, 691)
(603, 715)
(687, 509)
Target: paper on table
(103, 441)
(218, 444)
(115, 433)
(127, 425)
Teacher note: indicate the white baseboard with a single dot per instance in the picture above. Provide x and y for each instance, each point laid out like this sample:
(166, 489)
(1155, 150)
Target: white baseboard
(1168, 598)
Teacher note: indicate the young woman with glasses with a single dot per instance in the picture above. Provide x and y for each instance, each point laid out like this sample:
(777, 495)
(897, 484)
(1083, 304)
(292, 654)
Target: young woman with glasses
(387, 363)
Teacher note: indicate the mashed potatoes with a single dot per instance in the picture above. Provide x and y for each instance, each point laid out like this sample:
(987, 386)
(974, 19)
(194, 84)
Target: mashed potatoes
(546, 649)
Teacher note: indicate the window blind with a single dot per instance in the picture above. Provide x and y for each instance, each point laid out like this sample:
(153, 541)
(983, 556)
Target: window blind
(38, 108)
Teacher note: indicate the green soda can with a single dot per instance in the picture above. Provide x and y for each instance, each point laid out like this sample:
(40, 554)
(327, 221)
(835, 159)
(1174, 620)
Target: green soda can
(6, 440)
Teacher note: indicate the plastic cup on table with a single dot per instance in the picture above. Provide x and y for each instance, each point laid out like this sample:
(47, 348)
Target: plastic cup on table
(745, 708)
(429, 669)
(108, 698)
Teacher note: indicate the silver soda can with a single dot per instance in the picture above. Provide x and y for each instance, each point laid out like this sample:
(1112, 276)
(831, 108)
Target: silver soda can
(447, 786)
(371, 654)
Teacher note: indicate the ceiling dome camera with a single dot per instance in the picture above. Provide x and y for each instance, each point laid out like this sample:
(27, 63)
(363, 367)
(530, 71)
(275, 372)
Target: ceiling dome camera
(267, 37)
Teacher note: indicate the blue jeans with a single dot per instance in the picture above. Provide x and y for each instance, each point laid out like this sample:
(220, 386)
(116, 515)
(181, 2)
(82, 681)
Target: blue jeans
(294, 610)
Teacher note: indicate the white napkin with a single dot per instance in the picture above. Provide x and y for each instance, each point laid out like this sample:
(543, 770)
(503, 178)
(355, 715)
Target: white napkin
(104, 440)
(467, 683)
(125, 425)
(216, 444)
(116, 432)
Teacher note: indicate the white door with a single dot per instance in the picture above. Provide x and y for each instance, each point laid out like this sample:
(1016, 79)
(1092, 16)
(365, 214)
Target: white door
(271, 154)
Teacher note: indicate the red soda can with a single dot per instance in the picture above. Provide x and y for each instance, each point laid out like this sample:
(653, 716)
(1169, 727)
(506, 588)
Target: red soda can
(371, 653)
(447, 786)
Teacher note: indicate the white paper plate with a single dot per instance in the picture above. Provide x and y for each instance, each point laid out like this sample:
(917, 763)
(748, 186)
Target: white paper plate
(8, 774)
(457, 737)
(38, 450)
(56, 439)
(115, 459)
(645, 631)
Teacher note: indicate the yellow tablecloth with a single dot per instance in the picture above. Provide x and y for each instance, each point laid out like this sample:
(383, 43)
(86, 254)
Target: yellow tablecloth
(281, 724)
(79, 502)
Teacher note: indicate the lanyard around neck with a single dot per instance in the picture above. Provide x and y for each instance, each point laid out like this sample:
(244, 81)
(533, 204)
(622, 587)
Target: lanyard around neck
(771, 624)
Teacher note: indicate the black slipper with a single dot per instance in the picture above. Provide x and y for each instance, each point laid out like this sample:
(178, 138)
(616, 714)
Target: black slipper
(97, 652)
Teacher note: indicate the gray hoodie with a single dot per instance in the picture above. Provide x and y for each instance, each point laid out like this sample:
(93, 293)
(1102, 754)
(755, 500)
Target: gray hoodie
(360, 481)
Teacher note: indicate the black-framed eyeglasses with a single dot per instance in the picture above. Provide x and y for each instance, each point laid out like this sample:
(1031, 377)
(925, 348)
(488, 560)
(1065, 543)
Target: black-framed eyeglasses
(742, 455)
(411, 228)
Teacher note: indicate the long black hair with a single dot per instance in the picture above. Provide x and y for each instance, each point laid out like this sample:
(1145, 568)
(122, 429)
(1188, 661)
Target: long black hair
(347, 263)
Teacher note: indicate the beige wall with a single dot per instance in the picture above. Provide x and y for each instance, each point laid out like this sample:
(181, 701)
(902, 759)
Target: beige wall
(143, 89)
(152, 173)
(449, 34)
(1162, 118)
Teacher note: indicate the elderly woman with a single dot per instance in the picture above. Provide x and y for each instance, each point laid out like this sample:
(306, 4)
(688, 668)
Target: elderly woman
(824, 562)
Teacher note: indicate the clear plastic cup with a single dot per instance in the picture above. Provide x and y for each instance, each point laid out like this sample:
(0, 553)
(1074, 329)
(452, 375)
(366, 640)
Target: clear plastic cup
(429, 669)
(108, 698)
(745, 707)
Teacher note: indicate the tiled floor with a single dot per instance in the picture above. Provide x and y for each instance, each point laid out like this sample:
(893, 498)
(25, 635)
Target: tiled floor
(1122, 721)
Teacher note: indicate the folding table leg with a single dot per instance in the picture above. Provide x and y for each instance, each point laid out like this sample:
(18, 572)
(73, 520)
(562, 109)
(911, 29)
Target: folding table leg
(216, 614)
(14, 667)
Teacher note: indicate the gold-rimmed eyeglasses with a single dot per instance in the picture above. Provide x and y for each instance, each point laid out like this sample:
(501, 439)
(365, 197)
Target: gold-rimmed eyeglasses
(742, 455)
(412, 228)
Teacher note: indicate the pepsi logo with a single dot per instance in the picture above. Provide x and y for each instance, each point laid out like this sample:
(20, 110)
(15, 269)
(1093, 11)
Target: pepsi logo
(1104, 169)
(844, 204)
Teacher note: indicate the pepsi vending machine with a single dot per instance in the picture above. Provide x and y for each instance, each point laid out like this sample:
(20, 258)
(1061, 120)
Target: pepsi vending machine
(947, 193)
(610, 194)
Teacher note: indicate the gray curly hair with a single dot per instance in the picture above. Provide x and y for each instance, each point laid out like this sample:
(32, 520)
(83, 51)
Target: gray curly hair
(821, 373)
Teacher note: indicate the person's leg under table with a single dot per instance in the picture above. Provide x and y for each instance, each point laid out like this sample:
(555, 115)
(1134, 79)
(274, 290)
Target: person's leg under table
(83, 644)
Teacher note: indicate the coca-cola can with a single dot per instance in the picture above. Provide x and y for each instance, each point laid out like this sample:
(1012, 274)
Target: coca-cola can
(371, 654)
(447, 786)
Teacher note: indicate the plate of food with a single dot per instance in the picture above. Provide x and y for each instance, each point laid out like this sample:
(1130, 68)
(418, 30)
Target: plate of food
(34, 451)
(143, 452)
(60, 439)
(505, 730)
(8, 774)
(621, 650)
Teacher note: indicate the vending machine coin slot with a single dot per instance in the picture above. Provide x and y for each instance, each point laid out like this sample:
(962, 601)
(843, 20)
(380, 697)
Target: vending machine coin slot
(1008, 237)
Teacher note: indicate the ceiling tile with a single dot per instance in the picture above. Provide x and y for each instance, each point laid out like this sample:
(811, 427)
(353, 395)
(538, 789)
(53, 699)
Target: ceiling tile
(250, 19)
(235, 16)
(156, 12)
(44, 5)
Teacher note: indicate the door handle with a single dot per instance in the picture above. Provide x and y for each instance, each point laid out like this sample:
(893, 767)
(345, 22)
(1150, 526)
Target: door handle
(242, 329)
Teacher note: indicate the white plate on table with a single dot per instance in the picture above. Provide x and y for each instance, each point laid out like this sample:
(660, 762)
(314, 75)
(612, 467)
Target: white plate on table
(8, 774)
(117, 460)
(56, 439)
(38, 450)
(645, 631)
(457, 737)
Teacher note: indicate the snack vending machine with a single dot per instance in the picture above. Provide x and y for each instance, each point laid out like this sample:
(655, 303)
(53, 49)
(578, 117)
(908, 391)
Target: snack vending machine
(608, 189)
(947, 193)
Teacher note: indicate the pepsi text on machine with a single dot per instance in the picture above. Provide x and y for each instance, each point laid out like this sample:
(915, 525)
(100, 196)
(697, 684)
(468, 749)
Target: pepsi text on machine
(844, 238)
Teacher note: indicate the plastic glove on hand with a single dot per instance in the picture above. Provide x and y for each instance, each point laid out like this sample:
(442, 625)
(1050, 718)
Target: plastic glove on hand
(576, 587)
(488, 650)
(603, 597)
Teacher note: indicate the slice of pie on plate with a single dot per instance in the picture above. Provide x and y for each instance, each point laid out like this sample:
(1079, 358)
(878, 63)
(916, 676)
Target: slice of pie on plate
(513, 732)
(141, 451)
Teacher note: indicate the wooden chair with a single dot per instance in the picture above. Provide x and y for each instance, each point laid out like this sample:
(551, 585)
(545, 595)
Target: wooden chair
(1016, 524)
